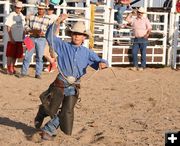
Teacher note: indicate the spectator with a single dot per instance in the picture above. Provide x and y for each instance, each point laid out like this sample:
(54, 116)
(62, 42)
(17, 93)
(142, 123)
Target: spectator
(73, 59)
(142, 28)
(167, 4)
(52, 66)
(32, 10)
(36, 27)
(15, 27)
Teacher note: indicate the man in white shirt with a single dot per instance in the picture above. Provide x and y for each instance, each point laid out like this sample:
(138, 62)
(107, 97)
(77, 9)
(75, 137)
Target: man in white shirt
(15, 28)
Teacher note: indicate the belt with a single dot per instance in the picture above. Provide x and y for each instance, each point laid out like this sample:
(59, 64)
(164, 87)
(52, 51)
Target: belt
(37, 36)
(139, 37)
(59, 83)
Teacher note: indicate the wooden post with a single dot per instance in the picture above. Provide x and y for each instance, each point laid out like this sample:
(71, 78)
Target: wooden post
(91, 39)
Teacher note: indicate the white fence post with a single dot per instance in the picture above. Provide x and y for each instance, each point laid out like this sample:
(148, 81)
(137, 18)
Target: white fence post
(170, 57)
(110, 39)
(5, 37)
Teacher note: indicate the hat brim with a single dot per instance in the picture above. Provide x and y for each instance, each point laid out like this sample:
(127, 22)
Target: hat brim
(70, 31)
(141, 12)
(19, 6)
(41, 7)
(51, 9)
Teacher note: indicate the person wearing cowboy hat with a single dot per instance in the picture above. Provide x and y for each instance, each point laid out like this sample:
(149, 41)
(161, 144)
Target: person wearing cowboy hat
(15, 28)
(32, 10)
(36, 27)
(142, 28)
(51, 59)
(73, 59)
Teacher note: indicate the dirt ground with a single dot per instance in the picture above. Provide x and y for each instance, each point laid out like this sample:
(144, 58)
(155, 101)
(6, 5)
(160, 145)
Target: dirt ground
(118, 107)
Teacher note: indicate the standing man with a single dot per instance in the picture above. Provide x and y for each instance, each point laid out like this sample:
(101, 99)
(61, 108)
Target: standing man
(52, 60)
(73, 59)
(15, 28)
(36, 27)
(142, 28)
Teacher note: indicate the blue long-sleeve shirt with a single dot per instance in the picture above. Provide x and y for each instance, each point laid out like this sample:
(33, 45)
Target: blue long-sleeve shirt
(72, 60)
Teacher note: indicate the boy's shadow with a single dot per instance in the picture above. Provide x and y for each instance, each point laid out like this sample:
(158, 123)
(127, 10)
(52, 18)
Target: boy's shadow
(28, 131)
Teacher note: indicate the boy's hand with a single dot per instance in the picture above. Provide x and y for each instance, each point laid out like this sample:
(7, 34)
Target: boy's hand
(102, 65)
(62, 17)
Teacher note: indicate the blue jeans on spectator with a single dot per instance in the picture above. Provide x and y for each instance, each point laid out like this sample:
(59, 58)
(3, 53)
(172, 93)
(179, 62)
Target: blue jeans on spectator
(118, 16)
(139, 43)
(39, 50)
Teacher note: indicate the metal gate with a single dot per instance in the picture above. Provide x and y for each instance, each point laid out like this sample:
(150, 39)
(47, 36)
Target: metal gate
(121, 42)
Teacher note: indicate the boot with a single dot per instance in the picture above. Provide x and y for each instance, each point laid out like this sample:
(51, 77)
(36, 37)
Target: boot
(40, 117)
(53, 66)
(48, 69)
(10, 70)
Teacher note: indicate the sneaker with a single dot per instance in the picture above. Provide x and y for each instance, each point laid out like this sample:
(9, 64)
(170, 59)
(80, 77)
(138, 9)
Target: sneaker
(134, 68)
(20, 75)
(140, 69)
(48, 69)
(46, 136)
(37, 76)
(53, 67)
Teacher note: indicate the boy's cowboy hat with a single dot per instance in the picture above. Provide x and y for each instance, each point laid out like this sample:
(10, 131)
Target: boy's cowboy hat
(19, 4)
(79, 27)
(41, 5)
(141, 10)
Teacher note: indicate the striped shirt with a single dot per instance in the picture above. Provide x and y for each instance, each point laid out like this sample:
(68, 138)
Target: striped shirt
(38, 23)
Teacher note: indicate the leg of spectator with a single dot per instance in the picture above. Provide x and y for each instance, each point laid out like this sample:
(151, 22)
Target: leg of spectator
(41, 43)
(26, 61)
(135, 49)
(143, 52)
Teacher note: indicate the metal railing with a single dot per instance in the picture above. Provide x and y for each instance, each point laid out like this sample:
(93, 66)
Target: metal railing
(115, 48)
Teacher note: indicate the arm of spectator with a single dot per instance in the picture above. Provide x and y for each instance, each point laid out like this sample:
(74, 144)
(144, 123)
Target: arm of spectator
(147, 34)
(10, 34)
(129, 18)
(27, 29)
(149, 28)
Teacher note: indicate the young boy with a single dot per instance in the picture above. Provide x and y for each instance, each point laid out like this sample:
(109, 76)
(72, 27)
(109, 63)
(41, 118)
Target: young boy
(72, 59)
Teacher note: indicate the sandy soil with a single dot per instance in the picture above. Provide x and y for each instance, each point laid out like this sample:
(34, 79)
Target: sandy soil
(118, 107)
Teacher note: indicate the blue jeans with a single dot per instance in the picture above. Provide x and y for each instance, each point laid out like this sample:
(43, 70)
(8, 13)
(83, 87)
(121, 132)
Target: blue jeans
(64, 119)
(51, 126)
(139, 43)
(39, 50)
(118, 16)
